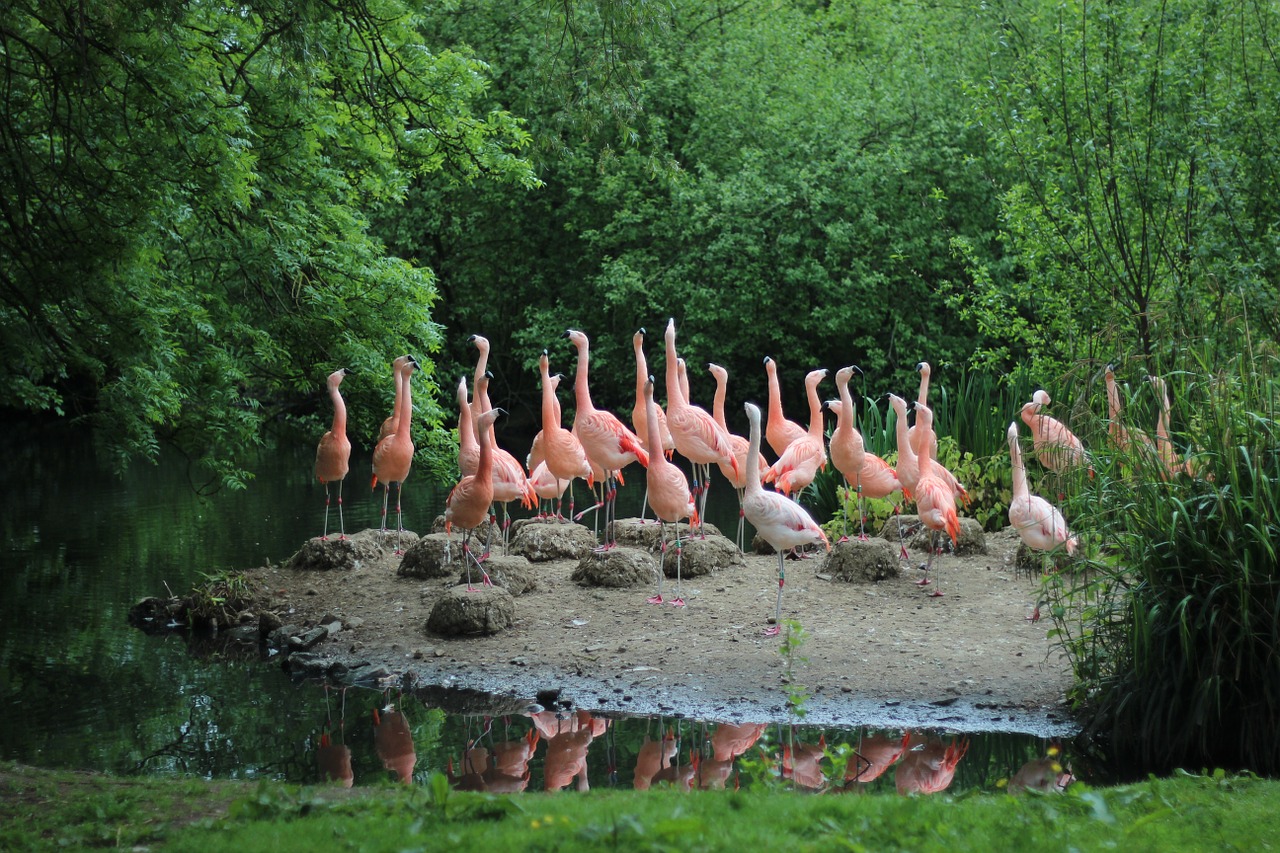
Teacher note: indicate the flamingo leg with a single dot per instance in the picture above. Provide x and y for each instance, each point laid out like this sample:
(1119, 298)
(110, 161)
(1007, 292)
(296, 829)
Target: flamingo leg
(324, 537)
(774, 629)
(662, 536)
(678, 601)
(844, 516)
(742, 523)
(342, 525)
(862, 512)
(386, 496)
(933, 549)
(399, 518)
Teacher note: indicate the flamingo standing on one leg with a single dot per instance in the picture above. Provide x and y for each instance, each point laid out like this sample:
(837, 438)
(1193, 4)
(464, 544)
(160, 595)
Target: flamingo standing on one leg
(779, 431)
(800, 462)
(781, 522)
(740, 448)
(562, 451)
(871, 475)
(393, 457)
(697, 435)
(333, 453)
(935, 503)
(1038, 522)
(669, 494)
(468, 504)
(608, 443)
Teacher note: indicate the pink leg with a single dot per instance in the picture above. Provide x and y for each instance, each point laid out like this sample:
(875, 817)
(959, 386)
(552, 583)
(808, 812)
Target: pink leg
(324, 537)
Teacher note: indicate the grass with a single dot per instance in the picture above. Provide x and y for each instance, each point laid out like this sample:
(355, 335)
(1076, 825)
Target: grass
(42, 809)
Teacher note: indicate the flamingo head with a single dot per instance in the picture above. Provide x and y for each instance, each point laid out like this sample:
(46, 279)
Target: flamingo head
(813, 377)
(924, 369)
(577, 338)
(544, 363)
(1012, 433)
(481, 342)
(924, 415)
(335, 378)
(718, 372)
(835, 406)
(1041, 397)
(844, 374)
(899, 405)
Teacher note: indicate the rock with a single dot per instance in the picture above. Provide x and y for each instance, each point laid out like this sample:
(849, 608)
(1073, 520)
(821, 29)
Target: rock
(759, 545)
(309, 640)
(245, 634)
(646, 534)
(153, 614)
(617, 568)
(268, 622)
(514, 574)
(699, 557)
(478, 535)
(347, 554)
(542, 541)
(971, 540)
(1035, 563)
(901, 526)
(432, 556)
(487, 610)
(858, 561)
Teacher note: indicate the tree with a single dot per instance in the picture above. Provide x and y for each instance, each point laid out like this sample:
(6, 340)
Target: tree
(185, 195)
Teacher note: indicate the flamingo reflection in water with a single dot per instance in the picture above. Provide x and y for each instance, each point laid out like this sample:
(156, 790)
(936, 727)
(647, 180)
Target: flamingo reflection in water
(393, 741)
(874, 755)
(654, 756)
(567, 743)
(929, 768)
(334, 759)
(802, 763)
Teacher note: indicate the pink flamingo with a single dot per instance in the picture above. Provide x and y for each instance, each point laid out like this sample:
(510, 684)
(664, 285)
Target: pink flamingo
(924, 420)
(930, 768)
(639, 419)
(697, 436)
(333, 453)
(781, 522)
(393, 741)
(800, 462)
(908, 466)
(935, 503)
(546, 487)
(562, 451)
(779, 431)
(803, 763)
(1056, 446)
(468, 503)
(668, 494)
(871, 475)
(740, 447)
(509, 480)
(1168, 455)
(875, 754)
(1124, 438)
(468, 444)
(1038, 522)
(654, 756)
(915, 433)
(608, 443)
(334, 761)
(393, 457)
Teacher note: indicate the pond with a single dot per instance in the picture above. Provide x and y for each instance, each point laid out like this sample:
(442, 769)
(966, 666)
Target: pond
(80, 688)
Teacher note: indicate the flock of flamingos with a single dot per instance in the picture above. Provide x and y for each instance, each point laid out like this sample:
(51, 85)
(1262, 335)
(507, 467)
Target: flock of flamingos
(599, 446)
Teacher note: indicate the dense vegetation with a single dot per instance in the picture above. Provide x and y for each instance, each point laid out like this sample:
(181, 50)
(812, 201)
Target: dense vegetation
(205, 209)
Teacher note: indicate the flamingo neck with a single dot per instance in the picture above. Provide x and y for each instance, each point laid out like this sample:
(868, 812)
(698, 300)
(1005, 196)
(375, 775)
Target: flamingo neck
(815, 411)
(405, 422)
(1020, 488)
(550, 413)
(775, 392)
(339, 411)
(753, 457)
(717, 404)
(581, 391)
(674, 397)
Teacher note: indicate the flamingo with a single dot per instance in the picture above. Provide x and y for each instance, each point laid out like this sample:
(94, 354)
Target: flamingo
(482, 366)
(697, 436)
(1038, 522)
(740, 447)
(509, 480)
(874, 755)
(468, 444)
(389, 425)
(608, 443)
(1167, 453)
(924, 420)
(779, 431)
(639, 419)
(781, 522)
(908, 467)
(930, 768)
(393, 741)
(546, 487)
(334, 761)
(1125, 439)
(923, 399)
(468, 503)
(668, 493)
(333, 453)
(935, 502)
(561, 449)
(536, 454)
(393, 457)
(1056, 446)
(872, 476)
(800, 462)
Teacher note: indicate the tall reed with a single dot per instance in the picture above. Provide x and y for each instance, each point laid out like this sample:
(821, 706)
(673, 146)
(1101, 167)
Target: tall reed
(1173, 632)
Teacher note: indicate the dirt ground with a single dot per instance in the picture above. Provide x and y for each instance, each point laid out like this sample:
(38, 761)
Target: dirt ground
(882, 653)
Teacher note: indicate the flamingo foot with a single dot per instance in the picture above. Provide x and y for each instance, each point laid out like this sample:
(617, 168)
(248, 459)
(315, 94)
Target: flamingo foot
(471, 588)
(676, 602)
(343, 538)
(772, 631)
(842, 539)
(904, 555)
(654, 599)
(862, 537)
(489, 582)
(937, 593)
(399, 552)
(923, 582)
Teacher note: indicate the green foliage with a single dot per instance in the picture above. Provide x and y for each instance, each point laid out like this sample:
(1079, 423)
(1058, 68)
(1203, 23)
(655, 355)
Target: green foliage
(185, 247)
(793, 640)
(1172, 631)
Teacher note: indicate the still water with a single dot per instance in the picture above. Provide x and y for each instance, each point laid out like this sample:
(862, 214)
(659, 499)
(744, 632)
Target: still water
(80, 688)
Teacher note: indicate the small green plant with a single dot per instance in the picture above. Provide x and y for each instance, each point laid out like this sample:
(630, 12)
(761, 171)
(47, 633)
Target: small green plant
(793, 639)
(218, 601)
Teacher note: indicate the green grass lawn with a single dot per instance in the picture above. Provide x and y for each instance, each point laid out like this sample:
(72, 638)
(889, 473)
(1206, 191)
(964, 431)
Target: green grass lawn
(43, 809)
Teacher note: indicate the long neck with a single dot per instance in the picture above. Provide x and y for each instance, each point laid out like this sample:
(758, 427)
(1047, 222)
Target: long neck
(581, 391)
(642, 369)
(653, 438)
(753, 456)
(466, 429)
(674, 397)
(550, 412)
(1019, 471)
(339, 411)
(1113, 399)
(717, 404)
(923, 396)
(844, 418)
(904, 443)
(405, 423)
(398, 407)
(815, 411)
(484, 470)
(775, 393)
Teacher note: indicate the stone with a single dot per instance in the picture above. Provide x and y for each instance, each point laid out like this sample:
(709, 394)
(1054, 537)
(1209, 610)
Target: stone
(308, 640)
(617, 568)
(514, 574)
(542, 541)
(433, 556)
(1036, 563)
(700, 557)
(486, 610)
(970, 541)
(478, 535)
(347, 554)
(862, 561)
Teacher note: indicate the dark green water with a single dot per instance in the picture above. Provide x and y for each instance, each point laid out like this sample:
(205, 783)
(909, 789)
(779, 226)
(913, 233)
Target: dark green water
(80, 688)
